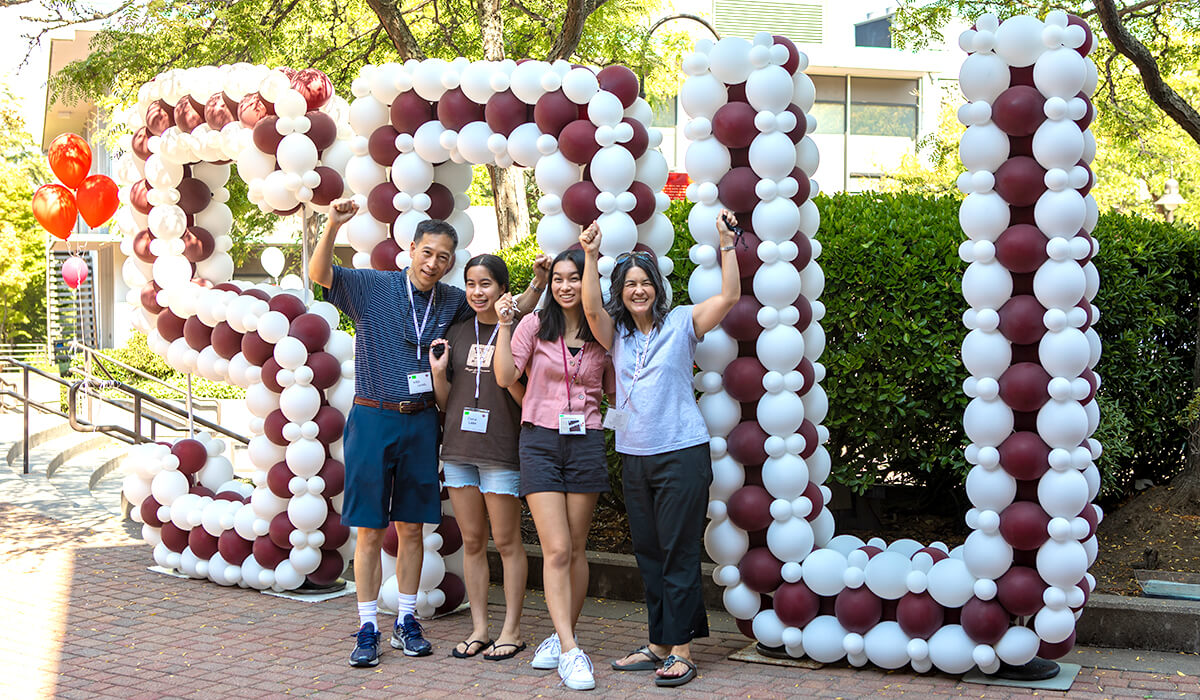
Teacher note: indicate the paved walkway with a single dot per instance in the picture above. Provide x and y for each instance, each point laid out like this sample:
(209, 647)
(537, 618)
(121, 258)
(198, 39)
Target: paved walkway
(84, 618)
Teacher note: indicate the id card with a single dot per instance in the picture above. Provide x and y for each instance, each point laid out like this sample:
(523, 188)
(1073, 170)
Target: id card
(420, 383)
(571, 424)
(616, 419)
(480, 356)
(475, 420)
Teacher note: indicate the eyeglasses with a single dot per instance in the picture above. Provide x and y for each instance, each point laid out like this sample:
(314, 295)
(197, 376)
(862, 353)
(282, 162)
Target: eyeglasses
(639, 254)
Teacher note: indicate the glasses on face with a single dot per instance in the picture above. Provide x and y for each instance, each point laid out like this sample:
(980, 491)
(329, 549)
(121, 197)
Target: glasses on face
(639, 254)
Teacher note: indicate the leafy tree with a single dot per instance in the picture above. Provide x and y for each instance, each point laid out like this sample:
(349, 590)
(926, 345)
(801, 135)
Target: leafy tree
(338, 36)
(22, 241)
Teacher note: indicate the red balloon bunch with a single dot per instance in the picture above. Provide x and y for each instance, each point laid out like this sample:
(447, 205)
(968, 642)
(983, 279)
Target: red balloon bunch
(56, 206)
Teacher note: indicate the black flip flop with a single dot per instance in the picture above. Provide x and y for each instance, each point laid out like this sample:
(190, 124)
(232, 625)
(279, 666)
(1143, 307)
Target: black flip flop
(516, 649)
(673, 681)
(651, 663)
(468, 653)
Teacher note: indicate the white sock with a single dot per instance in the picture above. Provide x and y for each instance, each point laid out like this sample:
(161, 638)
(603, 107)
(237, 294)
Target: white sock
(406, 606)
(368, 612)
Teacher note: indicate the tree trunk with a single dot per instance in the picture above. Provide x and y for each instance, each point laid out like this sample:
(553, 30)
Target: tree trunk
(512, 209)
(397, 29)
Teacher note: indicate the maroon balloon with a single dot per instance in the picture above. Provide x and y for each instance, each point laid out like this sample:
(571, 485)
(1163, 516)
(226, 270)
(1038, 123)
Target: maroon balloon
(1020, 181)
(1020, 146)
(1020, 76)
(383, 255)
(621, 82)
(233, 548)
(226, 341)
(257, 294)
(334, 474)
(1021, 320)
(322, 131)
(455, 110)
(441, 201)
(760, 570)
(219, 111)
(1089, 38)
(504, 112)
(451, 535)
(329, 570)
(256, 350)
(1090, 377)
(733, 125)
(811, 441)
(736, 92)
(194, 195)
(137, 196)
(326, 369)
(644, 207)
(141, 143)
(743, 379)
(280, 530)
(273, 426)
(141, 246)
(455, 590)
(797, 133)
(149, 512)
(934, 553)
(174, 538)
(553, 111)
(640, 141)
(330, 423)
(336, 534)
(746, 443)
(1020, 590)
(739, 157)
(198, 244)
(796, 604)
(1018, 110)
(267, 554)
(379, 203)
(1049, 651)
(266, 136)
(1021, 249)
(197, 335)
(793, 61)
(314, 85)
(310, 329)
(289, 305)
(741, 323)
(409, 111)
(391, 541)
(270, 374)
(169, 326)
(984, 621)
(578, 141)
(159, 117)
(253, 108)
(1023, 525)
(858, 609)
(1086, 120)
(750, 508)
(189, 114)
(579, 202)
(278, 478)
(736, 189)
(1023, 386)
(746, 627)
(203, 544)
(382, 145)
(919, 615)
(871, 550)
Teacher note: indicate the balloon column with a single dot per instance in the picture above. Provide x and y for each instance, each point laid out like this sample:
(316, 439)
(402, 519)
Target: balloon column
(1015, 588)
(56, 206)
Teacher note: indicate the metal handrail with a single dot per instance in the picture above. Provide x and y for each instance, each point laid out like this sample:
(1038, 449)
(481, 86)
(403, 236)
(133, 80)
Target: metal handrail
(94, 353)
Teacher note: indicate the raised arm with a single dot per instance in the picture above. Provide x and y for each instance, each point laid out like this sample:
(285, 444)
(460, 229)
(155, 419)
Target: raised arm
(528, 299)
(710, 312)
(320, 264)
(438, 367)
(593, 299)
(502, 362)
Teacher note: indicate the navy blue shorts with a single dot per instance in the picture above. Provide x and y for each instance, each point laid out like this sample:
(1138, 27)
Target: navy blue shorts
(391, 468)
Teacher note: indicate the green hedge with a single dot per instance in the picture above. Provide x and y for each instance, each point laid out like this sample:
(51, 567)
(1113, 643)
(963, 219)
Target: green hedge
(894, 331)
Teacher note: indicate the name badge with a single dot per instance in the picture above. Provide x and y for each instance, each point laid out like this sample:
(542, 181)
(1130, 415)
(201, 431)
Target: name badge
(480, 356)
(475, 420)
(420, 383)
(616, 419)
(571, 424)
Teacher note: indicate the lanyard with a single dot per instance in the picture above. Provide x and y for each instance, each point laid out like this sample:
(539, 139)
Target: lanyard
(478, 358)
(639, 365)
(568, 378)
(420, 329)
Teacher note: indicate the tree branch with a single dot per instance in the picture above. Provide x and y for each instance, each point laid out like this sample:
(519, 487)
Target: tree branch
(1159, 92)
(577, 12)
(389, 14)
(1124, 10)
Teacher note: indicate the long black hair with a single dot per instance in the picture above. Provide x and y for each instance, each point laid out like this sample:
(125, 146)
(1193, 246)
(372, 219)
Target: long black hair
(553, 322)
(495, 266)
(615, 306)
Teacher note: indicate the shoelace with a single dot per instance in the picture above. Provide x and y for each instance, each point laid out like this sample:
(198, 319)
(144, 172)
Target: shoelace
(582, 659)
(549, 643)
(413, 629)
(367, 637)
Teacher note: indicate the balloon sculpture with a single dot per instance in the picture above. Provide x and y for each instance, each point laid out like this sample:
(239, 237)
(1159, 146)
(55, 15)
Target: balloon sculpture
(95, 197)
(1015, 588)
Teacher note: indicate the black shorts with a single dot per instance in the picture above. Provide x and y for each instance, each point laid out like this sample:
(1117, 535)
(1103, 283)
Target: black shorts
(562, 463)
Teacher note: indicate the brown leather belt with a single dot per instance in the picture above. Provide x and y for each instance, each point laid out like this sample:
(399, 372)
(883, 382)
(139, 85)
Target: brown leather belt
(402, 406)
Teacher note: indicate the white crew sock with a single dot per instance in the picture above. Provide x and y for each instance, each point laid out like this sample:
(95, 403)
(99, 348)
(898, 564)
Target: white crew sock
(406, 606)
(368, 612)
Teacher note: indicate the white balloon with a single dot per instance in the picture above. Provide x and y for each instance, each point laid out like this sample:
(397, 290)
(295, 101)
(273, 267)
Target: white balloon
(950, 649)
(886, 575)
(886, 645)
(823, 639)
(1019, 41)
(951, 583)
(729, 61)
(983, 76)
(769, 89)
(702, 96)
(823, 571)
(725, 543)
(983, 147)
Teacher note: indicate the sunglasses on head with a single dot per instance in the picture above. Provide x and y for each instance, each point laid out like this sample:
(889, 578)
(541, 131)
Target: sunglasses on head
(639, 254)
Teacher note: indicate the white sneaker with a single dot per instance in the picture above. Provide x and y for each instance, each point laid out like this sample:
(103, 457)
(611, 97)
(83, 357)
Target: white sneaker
(546, 656)
(575, 670)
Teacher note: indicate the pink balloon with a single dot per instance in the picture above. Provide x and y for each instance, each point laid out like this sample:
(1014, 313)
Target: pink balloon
(74, 271)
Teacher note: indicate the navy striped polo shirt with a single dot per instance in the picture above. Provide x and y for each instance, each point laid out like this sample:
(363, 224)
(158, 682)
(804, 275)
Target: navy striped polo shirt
(385, 337)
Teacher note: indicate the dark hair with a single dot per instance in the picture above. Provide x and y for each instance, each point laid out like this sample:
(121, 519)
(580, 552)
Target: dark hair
(435, 227)
(493, 264)
(616, 305)
(553, 320)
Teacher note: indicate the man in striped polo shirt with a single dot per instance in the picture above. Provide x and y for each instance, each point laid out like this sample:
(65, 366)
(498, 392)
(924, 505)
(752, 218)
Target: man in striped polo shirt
(390, 439)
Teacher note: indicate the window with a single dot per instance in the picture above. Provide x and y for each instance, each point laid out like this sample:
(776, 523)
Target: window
(875, 32)
(831, 117)
(883, 107)
(666, 112)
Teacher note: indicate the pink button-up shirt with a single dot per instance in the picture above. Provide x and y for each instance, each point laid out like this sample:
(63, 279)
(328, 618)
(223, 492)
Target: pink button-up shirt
(546, 392)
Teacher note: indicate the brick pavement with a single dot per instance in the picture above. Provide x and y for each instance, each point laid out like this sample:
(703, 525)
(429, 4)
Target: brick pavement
(85, 619)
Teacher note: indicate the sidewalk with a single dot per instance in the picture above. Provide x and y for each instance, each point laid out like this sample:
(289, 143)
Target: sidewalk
(84, 618)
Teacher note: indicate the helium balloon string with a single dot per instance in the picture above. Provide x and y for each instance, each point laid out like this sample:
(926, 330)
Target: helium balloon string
(304, 233)
(191, 418)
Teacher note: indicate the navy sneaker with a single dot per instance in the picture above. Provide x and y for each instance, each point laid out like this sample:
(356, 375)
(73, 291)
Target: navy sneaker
(406, 635)
(366, 650)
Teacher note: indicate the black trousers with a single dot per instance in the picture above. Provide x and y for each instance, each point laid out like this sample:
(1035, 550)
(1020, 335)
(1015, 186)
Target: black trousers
(666, 497)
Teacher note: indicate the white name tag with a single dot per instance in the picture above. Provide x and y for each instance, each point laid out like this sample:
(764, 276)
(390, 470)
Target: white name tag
(480, 356)
(616, 419)
(420, 383)
(571, 424)
(475, 420)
